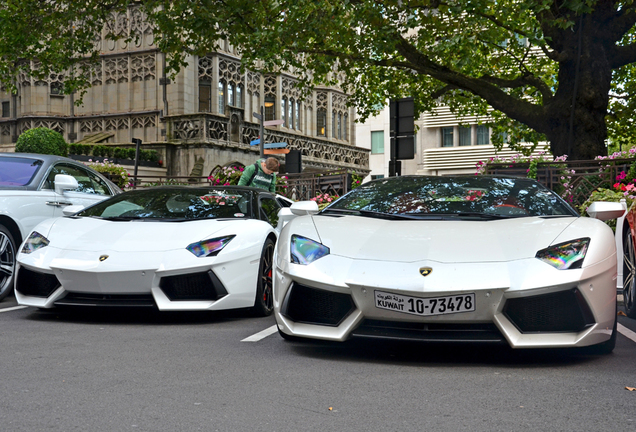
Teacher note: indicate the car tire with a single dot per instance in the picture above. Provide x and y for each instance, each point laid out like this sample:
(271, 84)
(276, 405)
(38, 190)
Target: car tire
(7, 262)
(264, 302)
(629, 275)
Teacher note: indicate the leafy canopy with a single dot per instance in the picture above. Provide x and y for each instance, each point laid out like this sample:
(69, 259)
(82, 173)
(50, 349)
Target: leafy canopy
(546, 67)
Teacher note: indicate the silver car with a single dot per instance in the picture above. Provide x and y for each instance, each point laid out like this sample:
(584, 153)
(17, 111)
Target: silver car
(35, 187)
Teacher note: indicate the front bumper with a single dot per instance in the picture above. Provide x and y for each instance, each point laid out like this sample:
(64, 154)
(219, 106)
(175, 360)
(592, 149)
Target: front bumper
(525, 303)
(169, 281)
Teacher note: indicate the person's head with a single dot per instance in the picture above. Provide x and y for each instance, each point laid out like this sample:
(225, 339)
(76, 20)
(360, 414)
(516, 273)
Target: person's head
(270, 165)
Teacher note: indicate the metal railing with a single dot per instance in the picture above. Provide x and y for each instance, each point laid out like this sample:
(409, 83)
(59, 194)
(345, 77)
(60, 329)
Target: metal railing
(582, 177)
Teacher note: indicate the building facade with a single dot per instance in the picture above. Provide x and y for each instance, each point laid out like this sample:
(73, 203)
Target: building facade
(444, 144)
(204, 112)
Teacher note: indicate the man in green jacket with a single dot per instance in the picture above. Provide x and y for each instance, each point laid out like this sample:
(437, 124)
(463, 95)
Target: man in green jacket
(261, 175)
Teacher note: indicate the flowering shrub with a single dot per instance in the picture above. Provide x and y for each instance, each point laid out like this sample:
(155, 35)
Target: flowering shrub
(323, 200)
(116, 173)
(565, 179)
(282, 184)
(226, 176)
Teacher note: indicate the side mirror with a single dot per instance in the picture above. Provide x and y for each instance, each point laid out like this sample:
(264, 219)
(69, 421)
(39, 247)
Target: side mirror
(302, 208)
(603, 210)
(65, 182)
(71, 210)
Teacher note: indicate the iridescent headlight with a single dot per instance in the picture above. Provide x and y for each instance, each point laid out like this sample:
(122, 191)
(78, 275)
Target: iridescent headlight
(34, 242)
(305, 251)
(567, 255)
(211, 247)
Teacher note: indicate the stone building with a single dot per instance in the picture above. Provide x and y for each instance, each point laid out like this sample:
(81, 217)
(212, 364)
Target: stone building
(203, 114)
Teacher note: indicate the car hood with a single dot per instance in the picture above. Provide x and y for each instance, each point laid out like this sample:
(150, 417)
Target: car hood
(440, 240)
(90, 234)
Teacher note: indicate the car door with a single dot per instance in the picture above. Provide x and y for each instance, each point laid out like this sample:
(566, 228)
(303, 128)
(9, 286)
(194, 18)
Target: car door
(91, 189)
(268, 209)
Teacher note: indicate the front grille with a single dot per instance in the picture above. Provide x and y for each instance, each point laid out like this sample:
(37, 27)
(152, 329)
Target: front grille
(106, 300)
(195, 286)
(36, 284)
(565, 311)
(433, 332)
(316, 306)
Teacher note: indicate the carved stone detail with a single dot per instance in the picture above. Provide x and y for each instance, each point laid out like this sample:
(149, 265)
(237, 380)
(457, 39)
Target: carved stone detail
(143, 67)
(321, 99)
(206, 72)
(270, 86)
(143, 122)
(254, 83)
(116, 70)
(229, 71)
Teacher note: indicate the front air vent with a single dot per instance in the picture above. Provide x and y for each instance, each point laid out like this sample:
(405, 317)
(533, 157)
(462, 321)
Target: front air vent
(564, 311)
(36, 284)
(316, 306)
(194, 286)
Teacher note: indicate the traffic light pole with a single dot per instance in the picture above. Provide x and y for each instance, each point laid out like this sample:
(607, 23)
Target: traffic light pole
(261, 131)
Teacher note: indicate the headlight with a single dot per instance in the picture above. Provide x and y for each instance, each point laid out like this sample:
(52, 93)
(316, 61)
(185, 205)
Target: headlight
(34, 242)
(211, 247)
(305, 251)
(567, 255)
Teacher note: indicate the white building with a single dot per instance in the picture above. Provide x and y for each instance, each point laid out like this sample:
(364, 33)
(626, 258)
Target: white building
(443, 144)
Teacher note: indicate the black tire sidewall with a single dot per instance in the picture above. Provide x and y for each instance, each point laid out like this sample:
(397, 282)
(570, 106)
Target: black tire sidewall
(8, 288)
(260, 308)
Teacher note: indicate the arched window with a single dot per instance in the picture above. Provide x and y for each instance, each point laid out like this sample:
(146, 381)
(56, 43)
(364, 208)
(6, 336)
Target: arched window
(345, 127)
(297, 115)
(230, 94)
(333, 125)
(290, 114)
(321, 122)
(270, 107)
(283, 111)
(339, 125)
(239, 96)
(221, 97)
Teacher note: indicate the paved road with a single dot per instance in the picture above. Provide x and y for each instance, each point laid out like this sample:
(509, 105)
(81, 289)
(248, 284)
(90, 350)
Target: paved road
(134, 371)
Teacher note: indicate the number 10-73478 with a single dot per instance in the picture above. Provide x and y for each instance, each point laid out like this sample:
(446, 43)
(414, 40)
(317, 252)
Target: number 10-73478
(425, 306)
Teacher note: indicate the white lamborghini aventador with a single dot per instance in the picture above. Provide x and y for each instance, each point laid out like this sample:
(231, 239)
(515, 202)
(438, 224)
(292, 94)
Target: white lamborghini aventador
(463, 258)
(173, 248)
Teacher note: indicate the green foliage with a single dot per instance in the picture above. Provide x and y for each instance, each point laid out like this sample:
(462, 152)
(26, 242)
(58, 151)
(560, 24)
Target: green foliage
(515, 56)
(100, 150)
(116, 173)
(42, 141)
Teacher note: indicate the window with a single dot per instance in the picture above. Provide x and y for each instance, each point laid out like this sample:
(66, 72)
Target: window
(447, 137)
(230, 95)
(290, 114)
(377, 142)
(297, 115)
(269, 210)
(339, 125)
(270, 107)
(239, 96)
(57, 88)
(377, 176)
(87, 181)
(6, 109)
(483, 135)
(283, 111)
(205, 96)
(321, 122)
(345, 127)
(221, 96)
(333, 125)
(464, 135)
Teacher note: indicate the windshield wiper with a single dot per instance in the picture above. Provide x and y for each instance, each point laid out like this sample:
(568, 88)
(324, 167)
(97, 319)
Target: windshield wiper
(368, 213)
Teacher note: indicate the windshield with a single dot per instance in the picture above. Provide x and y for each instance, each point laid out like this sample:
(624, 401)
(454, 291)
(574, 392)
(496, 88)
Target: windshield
(16, 171)
(174, 203)
(423, 196)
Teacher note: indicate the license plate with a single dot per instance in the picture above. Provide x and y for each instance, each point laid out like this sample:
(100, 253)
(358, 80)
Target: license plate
(425, 306)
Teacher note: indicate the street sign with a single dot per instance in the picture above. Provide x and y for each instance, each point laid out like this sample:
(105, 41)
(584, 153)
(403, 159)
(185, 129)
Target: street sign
(257, 141)
(275, 145)
(273, 122)
(257, 115)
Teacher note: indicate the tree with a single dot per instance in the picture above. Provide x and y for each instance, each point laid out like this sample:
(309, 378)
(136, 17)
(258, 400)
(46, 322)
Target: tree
(546, 67)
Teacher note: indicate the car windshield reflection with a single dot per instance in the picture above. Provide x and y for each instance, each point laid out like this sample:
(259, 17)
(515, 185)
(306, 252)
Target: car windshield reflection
(174, 205)
(475, 197)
